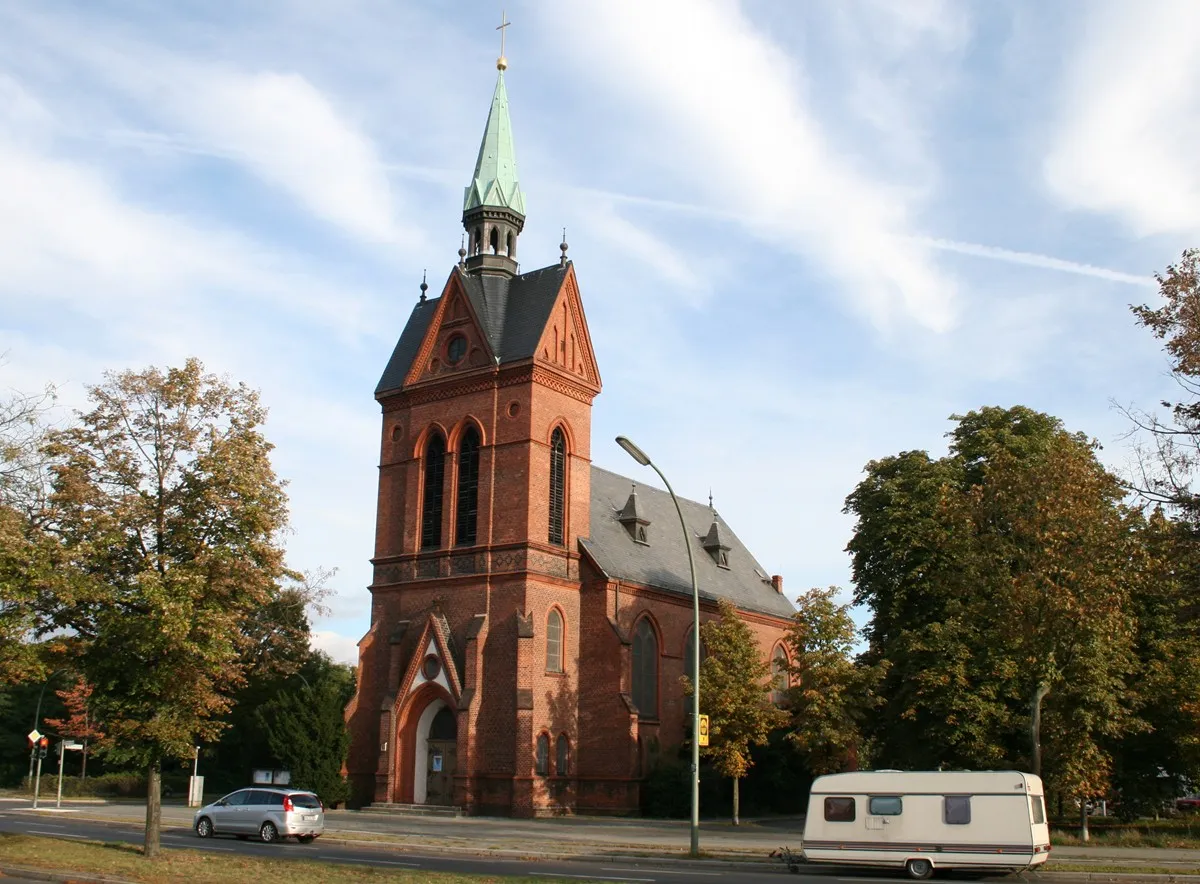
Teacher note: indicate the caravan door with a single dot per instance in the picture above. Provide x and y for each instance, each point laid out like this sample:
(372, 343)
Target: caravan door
(885, 815)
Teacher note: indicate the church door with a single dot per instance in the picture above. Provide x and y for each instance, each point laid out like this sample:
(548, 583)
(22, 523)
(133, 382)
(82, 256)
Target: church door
(442, 758)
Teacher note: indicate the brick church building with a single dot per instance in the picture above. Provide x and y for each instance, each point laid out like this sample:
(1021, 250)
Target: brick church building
(530, 613)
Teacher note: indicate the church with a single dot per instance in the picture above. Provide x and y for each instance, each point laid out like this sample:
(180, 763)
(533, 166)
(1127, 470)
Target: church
(531, 614)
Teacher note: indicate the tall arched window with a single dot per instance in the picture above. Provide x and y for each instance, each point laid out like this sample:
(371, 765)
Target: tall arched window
(554, 642)
(468, 488)
(558, 484)
(431, 505)
(562, 753)
(494, 241)
(780, 680)
(542, 761)
(478, 247)
(645, 669)
(511, 251)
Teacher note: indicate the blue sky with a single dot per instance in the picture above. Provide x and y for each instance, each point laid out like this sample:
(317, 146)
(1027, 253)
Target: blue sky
(806, 233)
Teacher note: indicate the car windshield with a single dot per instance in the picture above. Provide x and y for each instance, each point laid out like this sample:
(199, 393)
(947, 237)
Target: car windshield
(303, 799)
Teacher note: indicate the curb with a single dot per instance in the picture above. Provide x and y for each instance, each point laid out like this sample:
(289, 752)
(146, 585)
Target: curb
(59, 875)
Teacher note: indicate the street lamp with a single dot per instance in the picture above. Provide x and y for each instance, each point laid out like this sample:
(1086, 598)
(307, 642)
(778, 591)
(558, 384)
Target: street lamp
(642, 458)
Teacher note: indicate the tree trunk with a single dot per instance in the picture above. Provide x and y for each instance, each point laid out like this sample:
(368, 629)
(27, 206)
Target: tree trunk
(735, 800)
(83, 769)
(153, 808)
(1035, 728)
(1083, 821)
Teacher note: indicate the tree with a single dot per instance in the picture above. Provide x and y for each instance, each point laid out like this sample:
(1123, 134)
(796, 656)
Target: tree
(733, 693)
(26, 553)
(830, 695)
(166, 503)
(305, 726)
(999, 582)
(1171, 452)
(79, 723)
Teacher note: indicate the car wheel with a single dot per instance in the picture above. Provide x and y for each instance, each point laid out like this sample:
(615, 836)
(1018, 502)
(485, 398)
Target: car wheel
(919, 869)
(204, 828)
(306, 839)
(268, 832)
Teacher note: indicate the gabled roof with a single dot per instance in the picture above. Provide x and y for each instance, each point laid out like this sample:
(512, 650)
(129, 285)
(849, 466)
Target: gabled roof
(514, 313)
(495, 180)
(663, 563)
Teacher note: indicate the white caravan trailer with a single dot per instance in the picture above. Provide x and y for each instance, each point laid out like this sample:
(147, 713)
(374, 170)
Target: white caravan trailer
(925, 820)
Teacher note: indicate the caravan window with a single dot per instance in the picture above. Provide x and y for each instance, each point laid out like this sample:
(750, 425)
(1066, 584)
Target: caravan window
(886, 805)
(1039, 809)
(957, 810)
(839, 810)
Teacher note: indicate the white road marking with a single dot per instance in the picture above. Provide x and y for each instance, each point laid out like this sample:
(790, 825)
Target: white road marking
(589, 877)
(56, 834)
(666, 872)
(373, 862)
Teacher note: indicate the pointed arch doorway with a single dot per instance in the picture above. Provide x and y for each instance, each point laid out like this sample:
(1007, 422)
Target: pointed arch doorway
(435, 759)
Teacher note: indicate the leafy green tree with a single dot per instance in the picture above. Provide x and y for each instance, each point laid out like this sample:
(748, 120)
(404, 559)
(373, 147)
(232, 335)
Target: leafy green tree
(306, 728)
(26, 552)
(165, 500)
(733, 694)
(831, 695)
(998, 578)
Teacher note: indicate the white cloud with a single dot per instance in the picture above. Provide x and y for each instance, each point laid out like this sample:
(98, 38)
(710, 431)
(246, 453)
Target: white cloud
(728, 111)
(342, 648)
(1126, 143)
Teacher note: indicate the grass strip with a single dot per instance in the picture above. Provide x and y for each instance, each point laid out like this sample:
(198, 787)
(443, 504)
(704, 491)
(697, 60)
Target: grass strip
(125, 861)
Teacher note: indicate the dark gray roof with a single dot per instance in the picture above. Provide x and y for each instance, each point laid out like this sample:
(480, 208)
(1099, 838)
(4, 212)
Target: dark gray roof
(663, 562)
(513, 312)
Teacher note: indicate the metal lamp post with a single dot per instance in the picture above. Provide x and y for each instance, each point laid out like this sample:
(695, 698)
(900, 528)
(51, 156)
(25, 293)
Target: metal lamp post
(37, 715)
(642, 458)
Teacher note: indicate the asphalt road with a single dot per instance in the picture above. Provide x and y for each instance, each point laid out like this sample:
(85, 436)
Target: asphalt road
(63, 825)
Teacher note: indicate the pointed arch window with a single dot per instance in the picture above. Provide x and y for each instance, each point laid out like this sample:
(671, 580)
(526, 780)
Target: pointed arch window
(431, 503)
(562, 759)
(554, 641)
(468, 489)
(511, 251)
(558, 484)
(645, 669)
(542, 759)
(780, 680)
(494, 241)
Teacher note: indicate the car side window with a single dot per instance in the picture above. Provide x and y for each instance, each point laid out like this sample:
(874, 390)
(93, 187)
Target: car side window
(1039, 809)
(275, 799)
(885, 805)
(237, 799)
(258, 798)
(839, 810)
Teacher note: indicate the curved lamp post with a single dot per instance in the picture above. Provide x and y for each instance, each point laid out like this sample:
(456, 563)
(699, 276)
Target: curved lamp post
(642, 458)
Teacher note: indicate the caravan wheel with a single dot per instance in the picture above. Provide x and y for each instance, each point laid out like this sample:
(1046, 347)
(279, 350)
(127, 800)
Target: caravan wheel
(919, 869)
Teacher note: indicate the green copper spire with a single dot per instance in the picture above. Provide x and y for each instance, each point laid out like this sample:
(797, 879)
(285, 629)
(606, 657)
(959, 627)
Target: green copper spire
(495, 180)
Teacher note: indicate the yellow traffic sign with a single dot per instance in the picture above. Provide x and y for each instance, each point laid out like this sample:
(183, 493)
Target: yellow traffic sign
(703, 730)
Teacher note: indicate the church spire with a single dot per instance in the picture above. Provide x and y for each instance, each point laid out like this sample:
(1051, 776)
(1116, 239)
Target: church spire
(493, 205)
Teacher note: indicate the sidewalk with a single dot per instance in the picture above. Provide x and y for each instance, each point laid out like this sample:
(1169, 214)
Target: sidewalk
(598, 837)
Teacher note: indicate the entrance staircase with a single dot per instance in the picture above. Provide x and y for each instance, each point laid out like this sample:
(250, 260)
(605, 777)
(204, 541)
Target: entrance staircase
(414, 809)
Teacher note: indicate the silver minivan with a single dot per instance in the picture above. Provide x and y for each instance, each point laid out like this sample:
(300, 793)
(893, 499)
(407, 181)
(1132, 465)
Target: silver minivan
(270, 813)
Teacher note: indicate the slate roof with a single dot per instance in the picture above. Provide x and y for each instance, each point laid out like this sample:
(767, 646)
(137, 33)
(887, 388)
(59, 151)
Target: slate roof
(663, 563)
(513, 312)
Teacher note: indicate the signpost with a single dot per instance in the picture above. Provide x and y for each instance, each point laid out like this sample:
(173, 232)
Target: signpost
(703, 730)
(63, 746)
(40, 744)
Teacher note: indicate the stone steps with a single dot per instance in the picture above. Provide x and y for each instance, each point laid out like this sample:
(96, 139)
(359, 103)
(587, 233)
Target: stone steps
(414, 809)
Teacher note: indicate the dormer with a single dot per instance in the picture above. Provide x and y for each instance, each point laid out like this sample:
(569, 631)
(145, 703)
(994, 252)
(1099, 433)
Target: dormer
(715, 545)
(633, 520)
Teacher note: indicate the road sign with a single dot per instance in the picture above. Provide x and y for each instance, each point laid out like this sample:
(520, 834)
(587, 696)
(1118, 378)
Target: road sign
(34, 735)
(703, 730)
(71, 744)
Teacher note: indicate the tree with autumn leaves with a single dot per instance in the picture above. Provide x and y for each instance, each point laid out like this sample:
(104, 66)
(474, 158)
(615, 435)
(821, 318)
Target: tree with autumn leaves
(80, 722)
(168, 518)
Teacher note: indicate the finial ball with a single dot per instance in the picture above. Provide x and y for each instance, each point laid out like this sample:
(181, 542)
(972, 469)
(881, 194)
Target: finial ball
(501, 63)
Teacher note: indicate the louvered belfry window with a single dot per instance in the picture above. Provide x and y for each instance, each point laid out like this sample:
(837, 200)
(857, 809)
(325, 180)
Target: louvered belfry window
(431, 504)
(468, 489)
(558, 485)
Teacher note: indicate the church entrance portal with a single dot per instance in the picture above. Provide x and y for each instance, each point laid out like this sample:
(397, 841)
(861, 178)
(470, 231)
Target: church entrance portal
(436, 755)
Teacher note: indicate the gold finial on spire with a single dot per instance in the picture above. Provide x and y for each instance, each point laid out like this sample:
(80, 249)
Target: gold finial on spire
(502, 62)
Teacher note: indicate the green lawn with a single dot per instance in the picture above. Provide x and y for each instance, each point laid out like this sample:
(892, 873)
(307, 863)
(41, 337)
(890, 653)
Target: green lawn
(126, 862)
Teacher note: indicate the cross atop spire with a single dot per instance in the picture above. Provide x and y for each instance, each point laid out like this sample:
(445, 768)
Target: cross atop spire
(502, 62)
